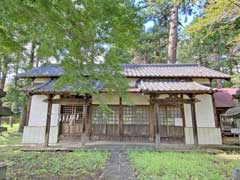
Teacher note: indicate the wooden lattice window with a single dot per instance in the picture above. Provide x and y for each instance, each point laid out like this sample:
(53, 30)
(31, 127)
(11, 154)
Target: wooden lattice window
(170, 115)
(101, 117)
(71, 113)
(136, 114)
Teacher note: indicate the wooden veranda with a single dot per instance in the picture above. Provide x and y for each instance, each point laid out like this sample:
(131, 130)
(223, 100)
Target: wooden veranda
(80, 119)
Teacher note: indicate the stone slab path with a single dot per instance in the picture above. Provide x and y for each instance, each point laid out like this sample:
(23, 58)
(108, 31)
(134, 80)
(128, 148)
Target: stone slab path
(118, 167)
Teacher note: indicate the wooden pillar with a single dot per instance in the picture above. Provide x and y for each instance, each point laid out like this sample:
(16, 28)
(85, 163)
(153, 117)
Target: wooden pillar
(215, 113)
(28, 109)
(183, 119)
(48, 123)
(90, 122)
(120, 117)
(84, 118)
(84, 135)
(151, 123)
(194, 120)
(157, 138)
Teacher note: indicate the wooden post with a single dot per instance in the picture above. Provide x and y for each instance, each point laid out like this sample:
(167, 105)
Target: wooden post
(90, 122)
(157, 138)
(85, 136)
(48, 124)
(120, 117)
(28, 109)
(151, 123)
(194, 120)
(183, 119)
(84, 117)
(215, 113)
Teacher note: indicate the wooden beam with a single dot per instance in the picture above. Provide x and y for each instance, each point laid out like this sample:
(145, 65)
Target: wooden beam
(194, 121)
(48, 123)
(174, 101)
(66, 101)
(120, 117)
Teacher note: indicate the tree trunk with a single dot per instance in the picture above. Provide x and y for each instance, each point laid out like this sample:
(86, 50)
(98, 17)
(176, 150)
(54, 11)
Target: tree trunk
(11, 117)
(4, 69)
(24, 116)
(25, 106)
(32, 55)
(173, 35)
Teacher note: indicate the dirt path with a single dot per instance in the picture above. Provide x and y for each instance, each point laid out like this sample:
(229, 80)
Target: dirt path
(118, 167)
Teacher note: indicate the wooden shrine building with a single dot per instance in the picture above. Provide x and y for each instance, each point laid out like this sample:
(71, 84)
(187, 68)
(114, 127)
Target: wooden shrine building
(169, 103)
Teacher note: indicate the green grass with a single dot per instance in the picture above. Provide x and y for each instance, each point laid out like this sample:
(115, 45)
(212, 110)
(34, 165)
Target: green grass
(53, 165)
(80, 165)
(11, 136)
(183, 166)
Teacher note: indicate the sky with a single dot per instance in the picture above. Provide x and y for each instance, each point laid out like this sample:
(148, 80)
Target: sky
(196, 9)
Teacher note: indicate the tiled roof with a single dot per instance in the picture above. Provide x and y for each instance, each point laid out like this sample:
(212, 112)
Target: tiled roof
(139, 70)
(170, 70)
(52, 70)
(224, 97)
(173, 86)
(150, 85)
(232, 112)
(49, 87)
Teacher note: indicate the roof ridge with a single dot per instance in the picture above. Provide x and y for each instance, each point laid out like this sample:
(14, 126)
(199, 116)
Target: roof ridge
(162, 65)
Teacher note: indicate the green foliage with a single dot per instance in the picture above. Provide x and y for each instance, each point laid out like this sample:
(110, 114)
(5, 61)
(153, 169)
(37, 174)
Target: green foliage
(236, 80)
(77, 33)
(212, 39)
(11, 136)
(172, 165)
(53, 165)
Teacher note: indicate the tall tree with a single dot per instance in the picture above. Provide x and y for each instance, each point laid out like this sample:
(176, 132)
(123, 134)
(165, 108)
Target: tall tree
(76, 33)
(185, 8)
(173, 34)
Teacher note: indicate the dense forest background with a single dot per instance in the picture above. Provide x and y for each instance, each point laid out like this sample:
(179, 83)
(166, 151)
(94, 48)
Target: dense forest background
(78, 34)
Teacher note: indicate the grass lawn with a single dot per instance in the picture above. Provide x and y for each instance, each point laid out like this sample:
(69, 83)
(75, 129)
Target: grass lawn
(183, 166)
(79, 165)
(11, 136)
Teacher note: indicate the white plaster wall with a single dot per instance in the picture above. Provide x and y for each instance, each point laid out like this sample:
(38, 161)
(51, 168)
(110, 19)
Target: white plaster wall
(40, 80)
(205, 136)
(201, 80)
(33, 135)
(54, 129)
(137, 99)
(133, 99)
(38, 111)
(109, 98)
(53, 135)
(188, 115)
(36, 135)
(207, 133)
(55, 113)
(132, 81)
(205, 111)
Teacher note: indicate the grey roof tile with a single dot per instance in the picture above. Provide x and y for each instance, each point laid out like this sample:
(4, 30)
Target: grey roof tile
(150, 85)
(52, 70)
(139, 70)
